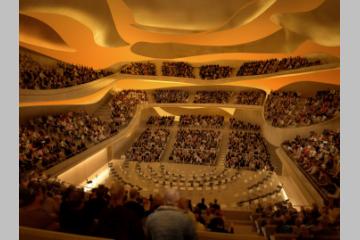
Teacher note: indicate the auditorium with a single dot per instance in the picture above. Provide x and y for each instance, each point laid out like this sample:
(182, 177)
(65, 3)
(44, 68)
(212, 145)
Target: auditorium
(166, 120)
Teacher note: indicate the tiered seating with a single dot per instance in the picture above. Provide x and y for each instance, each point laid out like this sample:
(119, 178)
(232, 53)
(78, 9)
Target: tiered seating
(171, 96)
(177, 69)
(123, 105)
(247, 150)
(139, 68)
(318, 156)
(33, 75)
(196, 146)
(149, 146)
(48, 140)
(250, 97)
(275, 65)
(215, 71)
(241, 125)
(283, 221)
(286, 108)
(165, 121)
(202, 121)
(212, 97)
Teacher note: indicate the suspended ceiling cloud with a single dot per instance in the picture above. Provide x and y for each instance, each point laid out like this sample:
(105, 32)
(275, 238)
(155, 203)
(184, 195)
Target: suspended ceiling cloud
(321, 25)
(282, 41)
(229, 30)
(38, 33)
(94, 14)
(189, 16)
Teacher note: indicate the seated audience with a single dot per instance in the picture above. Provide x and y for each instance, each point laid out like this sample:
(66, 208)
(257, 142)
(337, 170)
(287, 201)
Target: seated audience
(123, 105)
(275, 65)
(149, 146)
(215, 71)
(250, 97)
(212, 97)
(247, 150)
(177, 69)
(308, 223)
(33, 75)
(286, 108)
(203, 121)
(165, 121)
(196, 146)
(241, 125)
(171, 96)
(319, 157)
(139, 68)
(47, 140)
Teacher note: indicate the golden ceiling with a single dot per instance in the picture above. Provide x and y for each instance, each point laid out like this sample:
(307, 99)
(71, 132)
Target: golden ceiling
(100, 33)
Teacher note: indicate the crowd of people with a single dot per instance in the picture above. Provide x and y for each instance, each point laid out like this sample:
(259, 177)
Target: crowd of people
(288, 108)
(250, 97)
(165, 121)
(247, 150)
(149, 146)
(177, 69)
(196, 146)
(319, 157)
(47, 140)
(275, 65)
(123, 105)
(114, 212)
(241, 125)
(203, 121)
(171, 96)
(215, 71)
(139, 68)
(34, 75)
(221, 97)
(303, 224)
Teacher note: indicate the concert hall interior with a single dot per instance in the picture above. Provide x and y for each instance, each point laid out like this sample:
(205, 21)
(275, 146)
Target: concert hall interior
(156, 119)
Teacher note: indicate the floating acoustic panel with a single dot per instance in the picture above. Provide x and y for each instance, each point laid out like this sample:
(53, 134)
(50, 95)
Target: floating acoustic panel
(94, 14)
(321, 25)
(35, 32)
(188, 16)
(282, 41)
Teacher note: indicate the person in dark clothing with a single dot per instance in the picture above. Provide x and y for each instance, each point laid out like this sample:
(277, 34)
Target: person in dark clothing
(201, 205)
(95, 205)
(117, 221)
(72, 215)
(133, 205)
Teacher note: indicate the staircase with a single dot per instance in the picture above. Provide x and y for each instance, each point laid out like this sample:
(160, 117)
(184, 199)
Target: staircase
(223, 148)
(104, 112)
(169, 145)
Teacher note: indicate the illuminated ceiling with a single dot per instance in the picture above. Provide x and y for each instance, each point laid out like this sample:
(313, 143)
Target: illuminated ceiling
(100, 33)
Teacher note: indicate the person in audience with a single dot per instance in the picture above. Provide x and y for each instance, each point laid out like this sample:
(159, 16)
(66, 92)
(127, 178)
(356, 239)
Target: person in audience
(34, 75)
(117, 221)
(215, 71)
(288, 108)
(32, 213)
(275, 65)
(133, 205)
(171, 96)
(177, 69)
(139, 68)
(201, 205)
(220, 97)
(169, 222)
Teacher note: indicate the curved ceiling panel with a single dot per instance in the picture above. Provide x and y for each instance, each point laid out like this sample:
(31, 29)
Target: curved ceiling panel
(321, 25)
(188, 16)
(36, 32)
(282, 41)
(94, 14)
